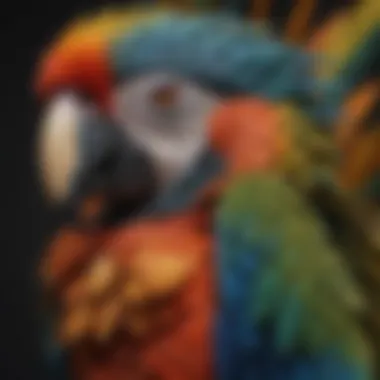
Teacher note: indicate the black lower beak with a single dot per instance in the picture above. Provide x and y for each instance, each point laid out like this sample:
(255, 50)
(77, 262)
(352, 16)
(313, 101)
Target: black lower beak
(114, 170)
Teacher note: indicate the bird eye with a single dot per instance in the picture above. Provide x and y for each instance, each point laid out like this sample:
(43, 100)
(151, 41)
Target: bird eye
(165, 96)
(166, 105)
(167, 117)
(162, 102)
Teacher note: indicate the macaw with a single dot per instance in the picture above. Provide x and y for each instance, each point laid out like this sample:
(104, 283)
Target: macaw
(211, 233)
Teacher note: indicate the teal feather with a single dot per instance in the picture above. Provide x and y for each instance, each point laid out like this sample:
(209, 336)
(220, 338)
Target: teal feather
(219, 51)
(267, 295)
(288, 322)
(232, 56)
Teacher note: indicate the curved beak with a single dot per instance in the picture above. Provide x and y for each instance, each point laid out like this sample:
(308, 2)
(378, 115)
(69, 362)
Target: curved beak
(82, 156)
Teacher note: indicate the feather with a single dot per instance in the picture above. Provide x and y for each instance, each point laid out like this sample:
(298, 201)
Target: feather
(348, 220)
(253, 60)
(299, 21)
(304, 300)
(348, 34)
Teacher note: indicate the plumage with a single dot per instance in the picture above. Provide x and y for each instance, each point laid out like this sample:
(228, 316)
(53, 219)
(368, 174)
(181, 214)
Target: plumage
(284, 285)
(257, 259)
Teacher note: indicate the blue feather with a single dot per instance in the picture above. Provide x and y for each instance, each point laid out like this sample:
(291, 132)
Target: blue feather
(221, 52)
(233, 57)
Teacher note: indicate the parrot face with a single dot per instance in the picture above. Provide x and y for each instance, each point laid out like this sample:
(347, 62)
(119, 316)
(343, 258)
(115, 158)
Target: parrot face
(154, 134)
(134, 110)
(171, 120)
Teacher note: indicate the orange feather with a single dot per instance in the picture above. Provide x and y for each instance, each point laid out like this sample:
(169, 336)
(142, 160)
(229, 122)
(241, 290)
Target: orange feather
(175, 341)
(247, 132)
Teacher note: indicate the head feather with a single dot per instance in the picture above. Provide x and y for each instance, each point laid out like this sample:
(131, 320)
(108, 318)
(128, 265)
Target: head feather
(78, 57)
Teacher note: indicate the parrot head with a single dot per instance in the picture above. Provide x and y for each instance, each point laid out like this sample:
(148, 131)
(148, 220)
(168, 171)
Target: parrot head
(143, 109)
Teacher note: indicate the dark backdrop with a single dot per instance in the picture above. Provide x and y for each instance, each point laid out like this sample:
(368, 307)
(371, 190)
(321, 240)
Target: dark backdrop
(24, 29)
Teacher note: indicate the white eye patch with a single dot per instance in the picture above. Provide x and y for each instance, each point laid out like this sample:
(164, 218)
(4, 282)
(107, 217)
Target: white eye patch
(166, 116)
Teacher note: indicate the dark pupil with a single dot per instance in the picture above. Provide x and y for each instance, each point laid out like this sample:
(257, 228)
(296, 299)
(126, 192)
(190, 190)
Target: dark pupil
(165, 97)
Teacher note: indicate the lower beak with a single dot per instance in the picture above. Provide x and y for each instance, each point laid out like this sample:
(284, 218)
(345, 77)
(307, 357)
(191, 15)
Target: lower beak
(85, 158)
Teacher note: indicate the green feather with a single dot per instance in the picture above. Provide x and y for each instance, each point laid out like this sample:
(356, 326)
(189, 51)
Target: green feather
(268, 291)
(303, 285)
(287, 331)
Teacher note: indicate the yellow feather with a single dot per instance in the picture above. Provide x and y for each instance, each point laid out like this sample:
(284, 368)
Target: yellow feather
(106, 24)
(347, 34)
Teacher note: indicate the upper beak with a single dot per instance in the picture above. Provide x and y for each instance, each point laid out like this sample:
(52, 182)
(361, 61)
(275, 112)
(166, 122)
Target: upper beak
(83, 155)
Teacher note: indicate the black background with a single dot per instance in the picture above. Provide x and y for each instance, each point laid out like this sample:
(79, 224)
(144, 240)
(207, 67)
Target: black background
(24, 30)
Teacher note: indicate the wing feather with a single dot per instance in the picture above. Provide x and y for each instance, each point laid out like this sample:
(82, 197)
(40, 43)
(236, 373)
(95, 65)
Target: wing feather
(287, 287)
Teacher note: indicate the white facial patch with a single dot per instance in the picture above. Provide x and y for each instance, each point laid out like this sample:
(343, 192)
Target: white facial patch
(167, 117)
